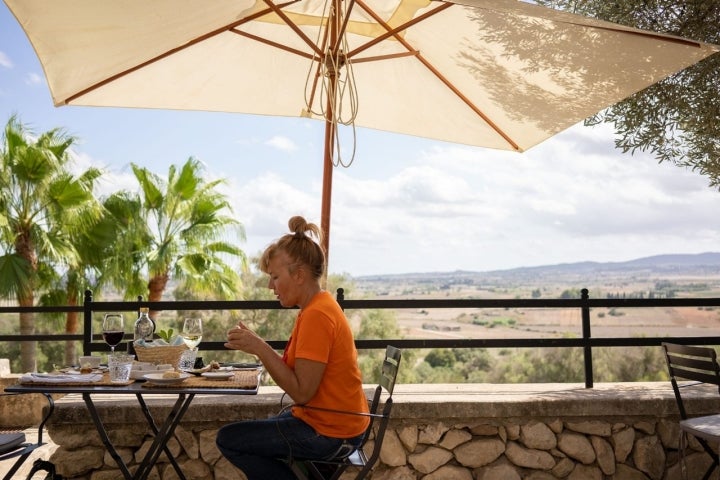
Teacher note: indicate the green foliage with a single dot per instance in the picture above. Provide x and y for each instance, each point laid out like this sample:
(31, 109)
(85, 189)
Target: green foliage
(370, 362)
(536, 365)
(438, 374)
(440, 357)
(572, 293)
(495, 322)
(166, 334)
(183, 225)
(377, 324)
(625, 364)
(45, 210)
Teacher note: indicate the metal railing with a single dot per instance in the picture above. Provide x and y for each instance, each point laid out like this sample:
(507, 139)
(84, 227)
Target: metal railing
(584, 304)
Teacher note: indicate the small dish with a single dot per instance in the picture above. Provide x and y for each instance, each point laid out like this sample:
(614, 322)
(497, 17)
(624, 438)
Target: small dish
(75, 371)
(242, 366)
(91, 361)
(140, 374)
(218, 375)
(158, 378)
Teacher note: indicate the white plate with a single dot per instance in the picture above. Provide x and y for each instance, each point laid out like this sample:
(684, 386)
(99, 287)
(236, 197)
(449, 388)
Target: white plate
(158, 378)
(218, 375)
(140, 374)
(73, 371)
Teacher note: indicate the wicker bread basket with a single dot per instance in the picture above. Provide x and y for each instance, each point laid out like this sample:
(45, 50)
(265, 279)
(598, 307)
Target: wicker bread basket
(161, 354)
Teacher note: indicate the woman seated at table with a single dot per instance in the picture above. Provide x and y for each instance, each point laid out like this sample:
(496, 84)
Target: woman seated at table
(318, 369)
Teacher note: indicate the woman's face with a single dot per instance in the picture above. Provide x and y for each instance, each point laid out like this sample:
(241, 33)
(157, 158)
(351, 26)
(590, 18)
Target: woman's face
(284, 284)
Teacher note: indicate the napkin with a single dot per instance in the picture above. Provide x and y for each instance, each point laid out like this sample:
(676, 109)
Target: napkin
(60, 378)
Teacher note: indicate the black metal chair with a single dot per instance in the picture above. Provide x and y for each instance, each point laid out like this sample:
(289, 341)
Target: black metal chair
(14, 444)
(358, 458)
(700, 366)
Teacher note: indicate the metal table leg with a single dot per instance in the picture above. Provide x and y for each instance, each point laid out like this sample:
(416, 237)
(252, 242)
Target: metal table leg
(159, 444)
(104, 436)
(162, 434)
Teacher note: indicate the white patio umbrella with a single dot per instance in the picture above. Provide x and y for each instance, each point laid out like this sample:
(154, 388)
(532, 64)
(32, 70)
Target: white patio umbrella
(502, 74)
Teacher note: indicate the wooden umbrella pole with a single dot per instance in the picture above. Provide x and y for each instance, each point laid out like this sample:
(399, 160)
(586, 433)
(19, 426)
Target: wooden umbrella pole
(330, 133)
(327, 190)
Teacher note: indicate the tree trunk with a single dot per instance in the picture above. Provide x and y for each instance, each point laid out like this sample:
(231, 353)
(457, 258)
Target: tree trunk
(156, 287)
(71, 326)
(28, 349)
(26, 298)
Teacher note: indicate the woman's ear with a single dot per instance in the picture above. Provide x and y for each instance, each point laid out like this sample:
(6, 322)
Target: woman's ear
(299, 274)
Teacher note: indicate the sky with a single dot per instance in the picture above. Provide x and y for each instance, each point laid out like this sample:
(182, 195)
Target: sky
(405, 204)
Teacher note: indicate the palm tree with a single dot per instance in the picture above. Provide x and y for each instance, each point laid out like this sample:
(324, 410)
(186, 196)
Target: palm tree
(43, 207)
(183, 218)
(85, 271)
(123, 241)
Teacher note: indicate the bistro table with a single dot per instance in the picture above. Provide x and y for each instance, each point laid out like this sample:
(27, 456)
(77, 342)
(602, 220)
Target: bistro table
(245, 382)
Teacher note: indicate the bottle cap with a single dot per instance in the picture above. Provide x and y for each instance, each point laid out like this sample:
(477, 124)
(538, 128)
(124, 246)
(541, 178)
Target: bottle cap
(144, 309)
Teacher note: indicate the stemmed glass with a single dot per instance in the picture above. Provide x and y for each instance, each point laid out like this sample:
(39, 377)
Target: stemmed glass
(191, 335)
(192, 332)
(113, 330)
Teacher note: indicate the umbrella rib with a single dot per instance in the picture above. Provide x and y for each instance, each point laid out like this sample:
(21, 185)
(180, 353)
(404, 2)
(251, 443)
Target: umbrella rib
(190, 43)
(394, 31)
(435, 71)
(343, 28)
(316, 78)
(280, 13)
(389, 56)
(646, 34)
(251, 36)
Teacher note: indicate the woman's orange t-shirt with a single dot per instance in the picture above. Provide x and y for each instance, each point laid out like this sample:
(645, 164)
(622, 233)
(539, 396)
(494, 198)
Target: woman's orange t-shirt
(322, 334)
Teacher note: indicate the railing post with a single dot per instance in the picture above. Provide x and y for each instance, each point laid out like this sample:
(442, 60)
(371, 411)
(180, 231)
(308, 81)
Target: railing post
(587, 349)
(87, 322)
(340, 297)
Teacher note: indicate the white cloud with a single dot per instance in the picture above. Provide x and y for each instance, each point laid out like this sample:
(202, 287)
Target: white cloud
(450, 207)
(264, 204)
(406, 204)
(282, 143)
(5, 60)
(33, 79)
(570, 199)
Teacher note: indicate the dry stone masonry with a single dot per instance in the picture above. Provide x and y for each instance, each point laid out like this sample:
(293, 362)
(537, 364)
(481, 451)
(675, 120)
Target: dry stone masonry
(463, 432)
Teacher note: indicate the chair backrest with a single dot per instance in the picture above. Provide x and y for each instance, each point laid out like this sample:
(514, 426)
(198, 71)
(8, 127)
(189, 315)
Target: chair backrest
(388, 375)
(390, 367)
(696, 364)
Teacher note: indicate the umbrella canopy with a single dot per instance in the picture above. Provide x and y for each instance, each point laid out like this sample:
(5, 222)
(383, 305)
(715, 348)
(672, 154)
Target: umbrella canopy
(502, 74)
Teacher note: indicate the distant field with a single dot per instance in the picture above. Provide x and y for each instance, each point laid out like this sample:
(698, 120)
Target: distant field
(501, 323)
(558, 323)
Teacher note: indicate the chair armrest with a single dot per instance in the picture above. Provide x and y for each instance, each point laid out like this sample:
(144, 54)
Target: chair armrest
(47, 413)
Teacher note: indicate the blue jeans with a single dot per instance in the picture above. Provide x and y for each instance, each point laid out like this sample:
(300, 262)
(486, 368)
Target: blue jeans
(260, 448)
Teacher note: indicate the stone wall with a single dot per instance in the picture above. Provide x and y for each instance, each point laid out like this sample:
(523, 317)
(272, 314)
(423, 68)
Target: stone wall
(20, 410)
(483, 432)
(537, 450)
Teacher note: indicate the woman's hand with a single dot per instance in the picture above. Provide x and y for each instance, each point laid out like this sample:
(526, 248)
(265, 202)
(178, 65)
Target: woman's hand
(301, 383)
(242, 338)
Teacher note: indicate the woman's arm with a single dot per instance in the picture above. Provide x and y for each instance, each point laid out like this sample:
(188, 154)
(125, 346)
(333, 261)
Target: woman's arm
(300, 383)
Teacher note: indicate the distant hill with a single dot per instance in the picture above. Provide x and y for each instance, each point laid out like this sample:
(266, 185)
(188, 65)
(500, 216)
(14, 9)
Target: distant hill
(658, 263)
(701, 264)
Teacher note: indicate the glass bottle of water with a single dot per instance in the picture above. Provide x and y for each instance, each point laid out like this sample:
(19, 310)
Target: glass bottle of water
(144, 326)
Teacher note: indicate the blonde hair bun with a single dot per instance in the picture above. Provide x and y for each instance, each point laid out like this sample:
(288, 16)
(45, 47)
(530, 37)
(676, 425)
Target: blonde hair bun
(300, 227)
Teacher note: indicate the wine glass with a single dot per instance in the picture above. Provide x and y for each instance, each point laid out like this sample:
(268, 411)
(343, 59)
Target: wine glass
(192, 332)
(113, 329)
